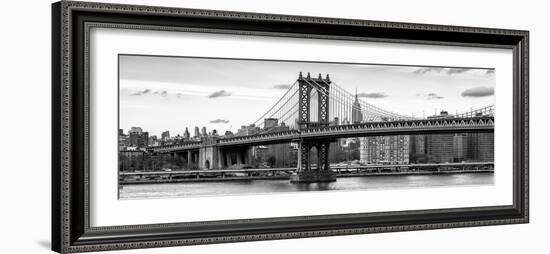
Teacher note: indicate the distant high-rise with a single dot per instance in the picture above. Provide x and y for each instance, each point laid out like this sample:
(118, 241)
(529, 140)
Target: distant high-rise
(186, 134)
(135, 130)
(270, 123)
(165, 135)
(248, 130)
(417, 149)
(138, 138)
(440, 147)
(460, 147)
(203, 131)
(481, 147)
(356, 116)
(197, 133)
(385, 150)
(417, 144)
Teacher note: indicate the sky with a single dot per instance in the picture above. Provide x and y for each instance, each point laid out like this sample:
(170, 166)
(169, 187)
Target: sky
(161, 93)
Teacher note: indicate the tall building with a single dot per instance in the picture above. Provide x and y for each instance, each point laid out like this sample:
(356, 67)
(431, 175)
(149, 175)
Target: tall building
(203, 131)
(417, 144)
(248, 130)
(270, 123)
(165, 135)
(481, 147)
(356, 115)
(460, 147)
(197, 133)
(123, 140)
(137, 137)
(186, 134)
(440, 147)
(135, 130)
(417, 149)
(385, 150)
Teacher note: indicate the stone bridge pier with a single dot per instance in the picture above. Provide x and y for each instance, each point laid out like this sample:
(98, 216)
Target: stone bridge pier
(215, 157)
(212, 156)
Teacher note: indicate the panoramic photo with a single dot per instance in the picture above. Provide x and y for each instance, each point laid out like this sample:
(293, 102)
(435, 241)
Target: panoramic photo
(191, 126)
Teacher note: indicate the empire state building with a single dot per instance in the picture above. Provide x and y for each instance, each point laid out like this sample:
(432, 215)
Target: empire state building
(356, 115)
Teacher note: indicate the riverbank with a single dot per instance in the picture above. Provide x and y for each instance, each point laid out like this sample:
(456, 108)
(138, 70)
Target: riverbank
(167, 178)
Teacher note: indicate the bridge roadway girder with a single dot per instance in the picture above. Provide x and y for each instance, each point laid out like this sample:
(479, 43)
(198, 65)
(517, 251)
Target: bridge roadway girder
(415, 127)
(349, 133)
(315, 135)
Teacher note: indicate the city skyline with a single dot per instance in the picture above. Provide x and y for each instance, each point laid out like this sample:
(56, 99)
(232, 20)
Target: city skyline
(161, 93)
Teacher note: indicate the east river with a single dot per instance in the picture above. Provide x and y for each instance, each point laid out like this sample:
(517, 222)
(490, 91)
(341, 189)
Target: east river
(195, 189)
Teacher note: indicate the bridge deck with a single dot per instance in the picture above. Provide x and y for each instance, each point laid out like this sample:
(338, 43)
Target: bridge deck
(404, 127)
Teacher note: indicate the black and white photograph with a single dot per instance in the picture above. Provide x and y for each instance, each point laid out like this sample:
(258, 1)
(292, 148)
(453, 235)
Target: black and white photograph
(199, 126)
(254, 126)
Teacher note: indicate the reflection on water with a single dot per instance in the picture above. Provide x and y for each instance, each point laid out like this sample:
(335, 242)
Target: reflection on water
(170, 190)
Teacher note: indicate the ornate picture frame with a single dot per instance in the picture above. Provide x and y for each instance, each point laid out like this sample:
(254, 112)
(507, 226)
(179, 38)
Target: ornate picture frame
(71, 202)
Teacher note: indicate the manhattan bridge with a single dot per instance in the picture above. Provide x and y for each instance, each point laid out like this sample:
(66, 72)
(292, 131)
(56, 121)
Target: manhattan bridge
(318, 111)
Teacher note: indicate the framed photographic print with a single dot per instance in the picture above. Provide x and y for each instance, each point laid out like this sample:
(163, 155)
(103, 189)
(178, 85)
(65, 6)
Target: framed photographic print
(182, 126)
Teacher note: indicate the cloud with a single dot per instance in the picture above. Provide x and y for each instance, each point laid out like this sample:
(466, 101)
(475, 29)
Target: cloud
(440, 70)
(220, 93)
(430, 96)
(452, 71)
(374, 95)
(141, 92)
(281, 86)
(219, 121)
(480, 91)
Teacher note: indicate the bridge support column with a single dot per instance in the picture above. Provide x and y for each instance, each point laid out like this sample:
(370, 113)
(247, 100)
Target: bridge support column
(209, 157)
(306, 174)
(192, 159)
(249, 156)
(218, 158)
(189, 159)
(228, 162)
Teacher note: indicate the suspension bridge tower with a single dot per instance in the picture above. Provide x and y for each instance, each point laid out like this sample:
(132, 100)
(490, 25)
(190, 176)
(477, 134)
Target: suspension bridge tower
(305, 172)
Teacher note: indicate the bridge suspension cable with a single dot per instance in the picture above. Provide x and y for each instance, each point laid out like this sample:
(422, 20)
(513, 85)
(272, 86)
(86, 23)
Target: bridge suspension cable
(367, 110)
(341, 106)
(483, 111)
(275, 110)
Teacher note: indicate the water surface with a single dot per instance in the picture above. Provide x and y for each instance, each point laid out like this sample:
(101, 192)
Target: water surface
(196, 189)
